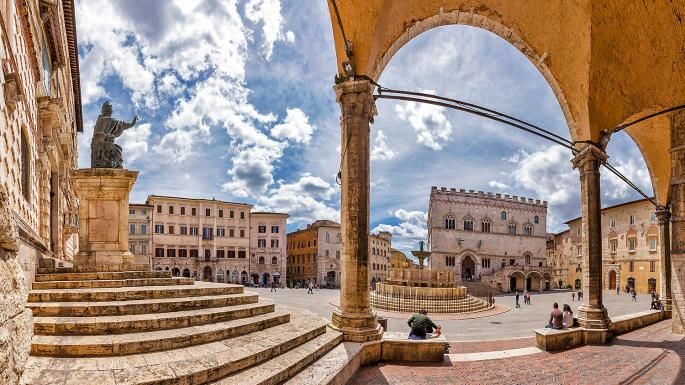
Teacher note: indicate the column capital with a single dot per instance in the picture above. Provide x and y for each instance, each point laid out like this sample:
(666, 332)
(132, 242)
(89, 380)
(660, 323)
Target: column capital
(588, 156)
(356, 99)
(663, 215)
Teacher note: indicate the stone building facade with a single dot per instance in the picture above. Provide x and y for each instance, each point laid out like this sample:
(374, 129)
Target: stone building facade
(40, 116)
(314, 254)
(631, 248)
(267, 248)
(140, 230)
(488, 236)
(210, 240)
(398, 260)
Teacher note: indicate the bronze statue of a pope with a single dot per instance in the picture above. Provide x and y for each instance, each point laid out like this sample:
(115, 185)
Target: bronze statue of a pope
(104, 153)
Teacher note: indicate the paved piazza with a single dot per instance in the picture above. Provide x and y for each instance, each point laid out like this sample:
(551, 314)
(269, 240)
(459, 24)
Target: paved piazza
(515, 323)
(651, 355)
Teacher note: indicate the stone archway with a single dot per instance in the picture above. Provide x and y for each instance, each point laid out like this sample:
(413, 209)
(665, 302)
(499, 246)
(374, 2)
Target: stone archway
(468, 267)
(175, 272)
(207, 274)
(186, 273)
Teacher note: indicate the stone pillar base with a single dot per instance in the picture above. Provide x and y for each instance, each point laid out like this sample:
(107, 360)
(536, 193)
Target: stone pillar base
(357, 327)
(668, 307)
(593, 318)
(596, 336)
(100, 258)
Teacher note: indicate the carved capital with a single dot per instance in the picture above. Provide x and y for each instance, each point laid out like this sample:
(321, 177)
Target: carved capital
(589, 159)
(663, 216)
(356, 99)
(11, 91)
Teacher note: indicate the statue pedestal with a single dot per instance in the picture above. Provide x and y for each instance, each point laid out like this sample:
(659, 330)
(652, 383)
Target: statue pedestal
(103, 216)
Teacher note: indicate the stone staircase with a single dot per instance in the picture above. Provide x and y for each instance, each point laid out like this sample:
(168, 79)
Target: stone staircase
(145, 327)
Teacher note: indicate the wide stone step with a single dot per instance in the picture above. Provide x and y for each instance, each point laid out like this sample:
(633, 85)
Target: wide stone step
(111, 283)
(285, 366)
(146, 306)
(130, 293)
(92, 269)
(153, 341)
(146, 322)
(337, 366)
(109, 275)
(189, 366)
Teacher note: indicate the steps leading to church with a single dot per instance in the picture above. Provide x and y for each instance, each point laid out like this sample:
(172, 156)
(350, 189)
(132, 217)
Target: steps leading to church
(136, 327)
(65, 326)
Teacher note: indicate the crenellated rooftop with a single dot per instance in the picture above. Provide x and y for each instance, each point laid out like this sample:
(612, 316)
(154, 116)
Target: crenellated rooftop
(486, 195)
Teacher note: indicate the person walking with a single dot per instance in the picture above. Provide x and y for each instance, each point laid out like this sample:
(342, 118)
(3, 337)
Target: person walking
(311, 288)
(529, 295)
(273, 286)
(634, 295)
(573, 296)
(618, 290)
(517, 299)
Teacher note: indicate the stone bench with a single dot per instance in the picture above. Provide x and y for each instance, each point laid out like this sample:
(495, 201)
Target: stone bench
(558, 339)
(629, 322)
(396, 347)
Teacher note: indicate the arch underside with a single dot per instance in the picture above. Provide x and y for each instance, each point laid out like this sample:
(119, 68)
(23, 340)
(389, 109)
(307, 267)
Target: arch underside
(601, 76)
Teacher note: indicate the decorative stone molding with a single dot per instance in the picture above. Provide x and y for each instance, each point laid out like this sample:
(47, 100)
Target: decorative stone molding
(9, 236)
(356, 99)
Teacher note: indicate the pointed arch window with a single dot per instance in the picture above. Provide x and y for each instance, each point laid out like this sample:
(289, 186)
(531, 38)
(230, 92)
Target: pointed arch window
(503, 215)
(528, 230)
(526, 259)
(536, 219)
(512, 229)
(328, 238)
(468, 224)
(450, 223)
(485, 226)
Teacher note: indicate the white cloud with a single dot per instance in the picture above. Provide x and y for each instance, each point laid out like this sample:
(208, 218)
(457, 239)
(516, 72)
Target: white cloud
(497, 184)
(175, 146)
(432, 128)
(290, 36)
(548, 173)
(252, 170)
(633, 169)
(295, 127)
(308, 199)
(381, 150)
(267, 12)
(134, 142)
(409, 231)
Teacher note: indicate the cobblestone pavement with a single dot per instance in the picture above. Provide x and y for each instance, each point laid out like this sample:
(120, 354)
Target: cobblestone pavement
(515, 323)
(490, 345)
(651, 355)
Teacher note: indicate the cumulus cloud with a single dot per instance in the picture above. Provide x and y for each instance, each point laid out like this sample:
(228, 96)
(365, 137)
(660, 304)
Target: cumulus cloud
(295, 127)
(548, 173)
(252, 170)
(635, 170)
(410, 229)
(134, 142)
(432, 128)
(497, 184)
(268, 12)
(308, 199)
(381, 150)
(175, 146)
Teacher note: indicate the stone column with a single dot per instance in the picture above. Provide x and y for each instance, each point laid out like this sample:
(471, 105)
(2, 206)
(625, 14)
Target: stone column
(677, 193)
(355, 318)
(592, 315)
(664, 217)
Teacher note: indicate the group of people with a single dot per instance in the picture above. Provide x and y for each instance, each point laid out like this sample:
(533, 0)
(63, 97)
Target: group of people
(656, 302)
(561, 319)
(526, 298)
(578, 294)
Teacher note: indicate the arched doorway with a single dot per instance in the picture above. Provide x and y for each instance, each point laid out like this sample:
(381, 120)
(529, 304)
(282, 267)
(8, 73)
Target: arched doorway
(255, 279)
(330, 279)
(631, 283)
(612, 280)
(266, 278)
(207, 274)
(243, 277)
(186, 273)
(517, 281)
(651, 285)
(578, 283)
(220, 276)
(234, 276)
(175, 272)
(468, 268)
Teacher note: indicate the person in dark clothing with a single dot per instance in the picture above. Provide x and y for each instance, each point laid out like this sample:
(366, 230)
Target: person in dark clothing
(273, 286)
(420, 324)
(517, 299)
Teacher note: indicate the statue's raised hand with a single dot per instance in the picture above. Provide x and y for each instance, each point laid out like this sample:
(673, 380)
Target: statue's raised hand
(135, 119)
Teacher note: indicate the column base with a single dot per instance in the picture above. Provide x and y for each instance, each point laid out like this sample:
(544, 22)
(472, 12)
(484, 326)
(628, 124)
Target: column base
(593, 318)
(357, 327)
(668, 307)
(102, 258)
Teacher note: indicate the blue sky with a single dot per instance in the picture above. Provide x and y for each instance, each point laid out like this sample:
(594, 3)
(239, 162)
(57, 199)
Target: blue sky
(236, 103)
